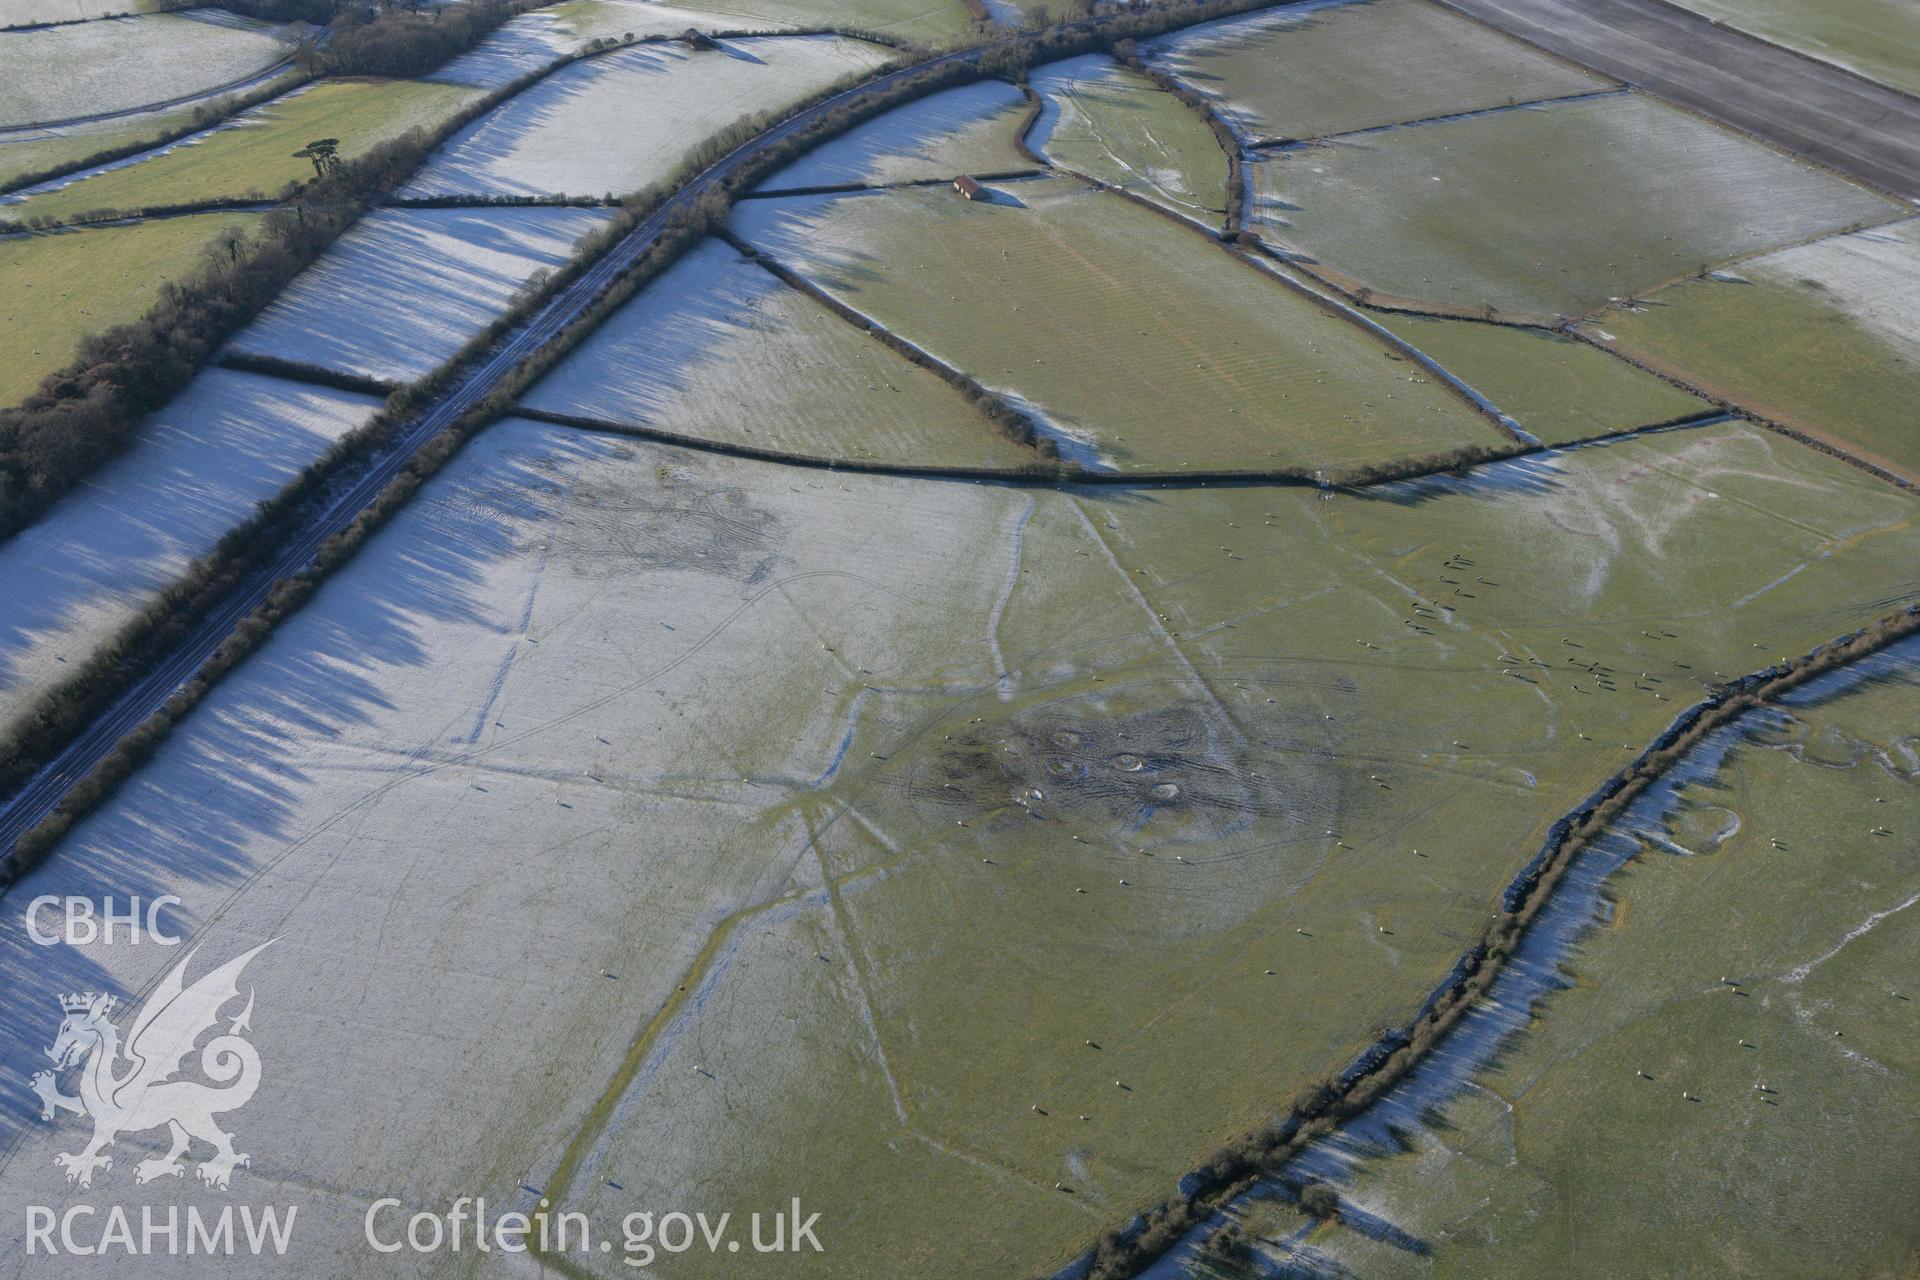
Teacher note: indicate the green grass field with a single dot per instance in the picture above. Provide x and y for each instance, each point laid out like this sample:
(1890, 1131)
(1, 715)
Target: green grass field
(64, 286)
(257, 158)
(1548, 212)
(22, 154)
(1556, 388)
(1116, 126)
(1566, 1153)
(1821, 337)
(1159, 349)
(1049, 10)
(1879, 39)
(1355, 66)
(1116, 839)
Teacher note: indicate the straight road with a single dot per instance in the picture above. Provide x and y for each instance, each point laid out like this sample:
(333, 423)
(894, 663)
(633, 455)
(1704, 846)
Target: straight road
(43, 793)
(1822, 112)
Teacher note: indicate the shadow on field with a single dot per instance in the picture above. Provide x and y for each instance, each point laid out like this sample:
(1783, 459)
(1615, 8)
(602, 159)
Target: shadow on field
(407, 288)
(1270, 216)
(786, 229)
(1186, 54)
(1265, 203)
(521, 45)
(1058, 82)
(1374, 1227)
(216, 805)
(480, 160)
(638, 365)
(229, 441)
(1533, 475)
(858, 154)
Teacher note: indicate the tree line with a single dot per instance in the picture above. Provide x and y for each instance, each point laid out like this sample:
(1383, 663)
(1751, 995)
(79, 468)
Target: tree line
(381, 37)
(403, 42)
(86, 412)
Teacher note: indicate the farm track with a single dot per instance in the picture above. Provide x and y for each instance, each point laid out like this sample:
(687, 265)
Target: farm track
(1811, 108)
(42, 794)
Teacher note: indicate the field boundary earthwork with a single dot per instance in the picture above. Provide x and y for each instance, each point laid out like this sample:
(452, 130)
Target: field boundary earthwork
(85, 737)
(1128, 1252)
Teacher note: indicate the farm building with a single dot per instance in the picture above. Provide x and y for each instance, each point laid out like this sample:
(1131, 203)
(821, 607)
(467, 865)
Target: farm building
(968, 187)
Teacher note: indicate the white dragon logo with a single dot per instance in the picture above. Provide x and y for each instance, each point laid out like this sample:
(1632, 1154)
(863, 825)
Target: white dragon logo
(131, 1090)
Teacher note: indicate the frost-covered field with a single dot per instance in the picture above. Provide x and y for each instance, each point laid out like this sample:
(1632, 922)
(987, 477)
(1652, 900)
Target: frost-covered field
(519, 45)
(26, 13)
(38, 150)
(969, 129)
(620, 122)
(632, 820)
(1870, 277)
(406, 288)
(1769, 844)
(532, 40)
(613, 19)
(1310, 70)
(105, 135)
(718, 348)
(118, 64)
(1118, 127)
(196, 468)
(1551, 211)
